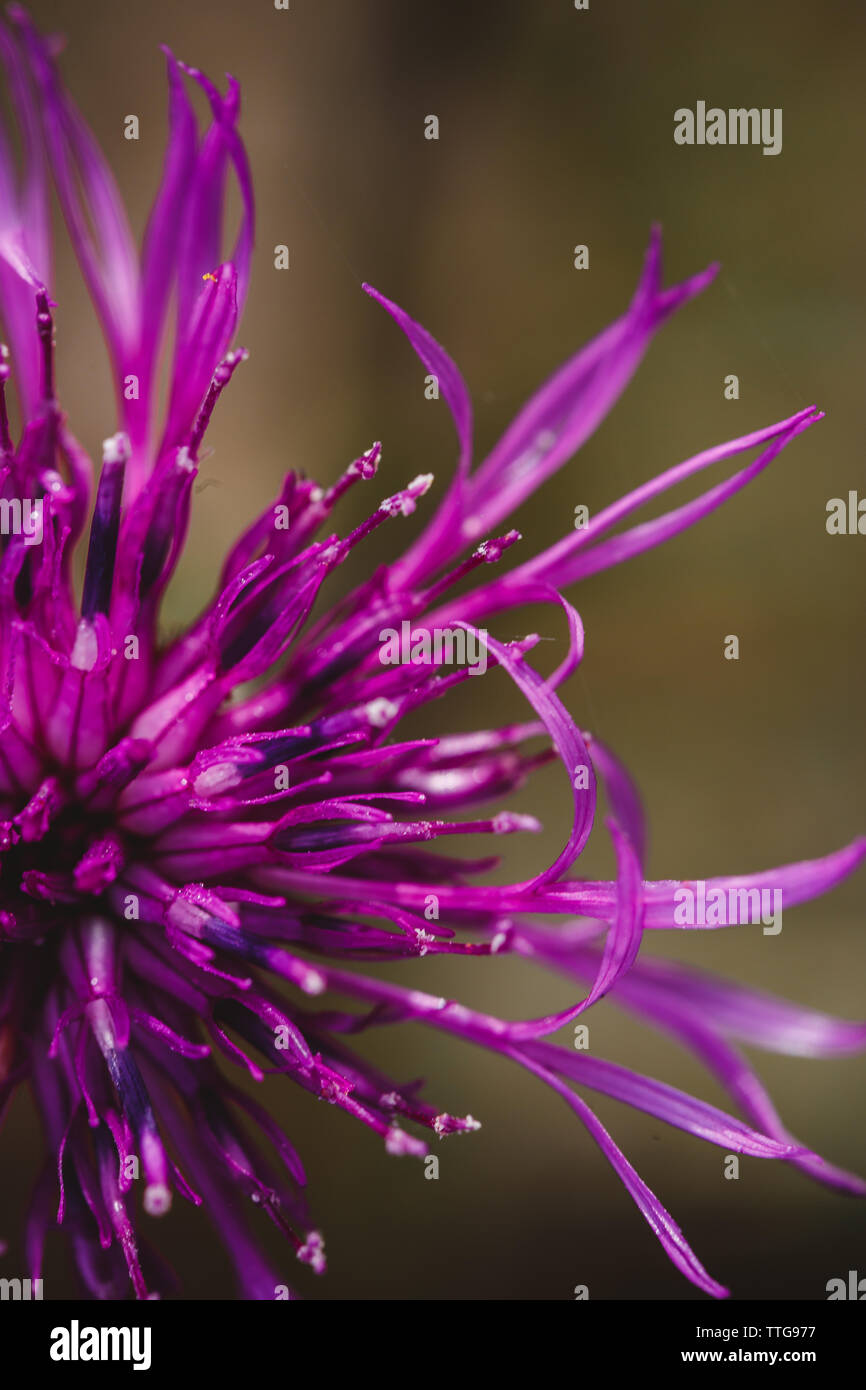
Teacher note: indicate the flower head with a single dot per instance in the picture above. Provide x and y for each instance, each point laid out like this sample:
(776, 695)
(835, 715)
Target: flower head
(200, 837)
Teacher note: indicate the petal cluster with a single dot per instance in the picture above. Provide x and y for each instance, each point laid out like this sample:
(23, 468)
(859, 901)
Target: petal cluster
(202, 837)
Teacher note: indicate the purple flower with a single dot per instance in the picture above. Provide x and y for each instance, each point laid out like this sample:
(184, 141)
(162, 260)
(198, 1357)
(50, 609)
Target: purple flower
(186, 825)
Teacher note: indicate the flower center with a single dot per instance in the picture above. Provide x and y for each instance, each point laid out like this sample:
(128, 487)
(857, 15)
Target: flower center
(53, 856)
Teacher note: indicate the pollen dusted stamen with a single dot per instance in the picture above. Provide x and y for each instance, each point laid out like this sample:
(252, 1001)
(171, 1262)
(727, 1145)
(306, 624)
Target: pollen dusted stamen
(45, 329)
(221, 378)
(6, 446)
(105, 528)
(170, 507)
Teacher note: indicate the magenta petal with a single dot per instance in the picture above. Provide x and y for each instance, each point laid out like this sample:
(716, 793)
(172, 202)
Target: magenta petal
(199, 349)
(569, 745)
(797, 883)
(566, 410)
(660, 1222)
(94, 212)
(624, 938)
(438, 540)
(653, 533)
(620, 949)
(25, 239)
(753, 1015)
(667, 1103)
(202, 231)
(159, 256)
(622, 793)
(662, 994)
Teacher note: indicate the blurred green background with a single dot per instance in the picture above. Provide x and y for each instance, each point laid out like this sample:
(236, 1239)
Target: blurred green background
(556, 128)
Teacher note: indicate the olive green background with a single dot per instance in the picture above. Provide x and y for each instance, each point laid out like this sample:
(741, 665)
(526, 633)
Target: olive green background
(556, 128)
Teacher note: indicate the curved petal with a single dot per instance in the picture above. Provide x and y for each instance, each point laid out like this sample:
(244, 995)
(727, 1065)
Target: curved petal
(622, 793)
(667, 1103)
(659, 1220)
(94, 211)
(568, 743)
(553, 424)
(437, 541)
